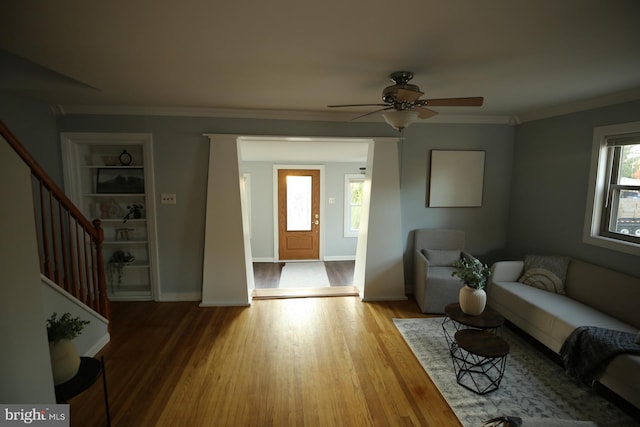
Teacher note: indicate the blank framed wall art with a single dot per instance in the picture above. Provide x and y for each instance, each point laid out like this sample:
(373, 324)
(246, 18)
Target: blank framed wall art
(456, 179)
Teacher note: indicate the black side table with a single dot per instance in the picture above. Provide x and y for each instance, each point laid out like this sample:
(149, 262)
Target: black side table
(88, 373)
(479, 358)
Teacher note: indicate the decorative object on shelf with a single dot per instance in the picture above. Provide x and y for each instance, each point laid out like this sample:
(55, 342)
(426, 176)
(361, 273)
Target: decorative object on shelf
(116, 264)
(117, 180)
(135, 211)
(110, 160)
(474, 274)
(111, 209)
(123, 233)
(125, 158)
(65, 359)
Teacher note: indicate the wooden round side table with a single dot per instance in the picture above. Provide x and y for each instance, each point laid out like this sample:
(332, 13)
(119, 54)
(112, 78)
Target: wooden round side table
(455, 320)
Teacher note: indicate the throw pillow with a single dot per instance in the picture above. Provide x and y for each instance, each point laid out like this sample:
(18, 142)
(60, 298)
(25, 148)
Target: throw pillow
(442, 257)
(545, 272)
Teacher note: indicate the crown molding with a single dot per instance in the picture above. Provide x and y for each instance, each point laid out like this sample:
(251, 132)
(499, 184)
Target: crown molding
(585, 104)
(334, 116)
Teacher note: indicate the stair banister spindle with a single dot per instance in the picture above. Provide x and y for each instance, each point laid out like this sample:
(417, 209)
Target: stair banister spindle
(48, 270)
(54, 240)
(87, 272)
(102, 285)
(64, 280)
(78, 257)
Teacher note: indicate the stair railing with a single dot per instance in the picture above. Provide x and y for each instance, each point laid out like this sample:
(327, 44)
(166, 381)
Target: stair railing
(69, 245)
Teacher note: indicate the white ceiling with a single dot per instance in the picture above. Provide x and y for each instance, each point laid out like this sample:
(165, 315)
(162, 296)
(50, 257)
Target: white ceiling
(291, 58)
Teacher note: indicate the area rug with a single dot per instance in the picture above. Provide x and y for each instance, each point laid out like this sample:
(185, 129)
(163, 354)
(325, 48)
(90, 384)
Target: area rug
(533, 386)
(304, 275)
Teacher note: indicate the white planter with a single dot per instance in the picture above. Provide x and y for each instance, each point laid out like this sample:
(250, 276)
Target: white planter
(472, 301)
(65, 360)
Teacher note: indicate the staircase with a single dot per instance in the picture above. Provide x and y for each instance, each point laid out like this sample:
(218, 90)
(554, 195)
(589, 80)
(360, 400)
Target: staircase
(69, 245)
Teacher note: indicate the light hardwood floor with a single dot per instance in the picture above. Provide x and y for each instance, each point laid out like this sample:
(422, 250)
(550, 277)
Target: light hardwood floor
(282, 362)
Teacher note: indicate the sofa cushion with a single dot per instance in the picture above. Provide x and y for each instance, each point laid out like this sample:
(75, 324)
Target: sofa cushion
(545, 272)
(548, 317)
(443, 258)
(604, 289)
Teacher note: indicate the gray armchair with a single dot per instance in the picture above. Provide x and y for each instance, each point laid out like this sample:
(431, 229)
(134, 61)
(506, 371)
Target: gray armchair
(434, 252)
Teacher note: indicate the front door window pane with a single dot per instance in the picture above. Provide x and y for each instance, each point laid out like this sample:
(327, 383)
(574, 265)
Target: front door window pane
(298, 203)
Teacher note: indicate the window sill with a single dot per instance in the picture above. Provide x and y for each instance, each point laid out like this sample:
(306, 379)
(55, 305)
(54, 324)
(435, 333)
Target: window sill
(613, 244)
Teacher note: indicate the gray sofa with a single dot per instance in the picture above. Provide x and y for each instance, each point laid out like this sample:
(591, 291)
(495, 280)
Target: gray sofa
(595, 296)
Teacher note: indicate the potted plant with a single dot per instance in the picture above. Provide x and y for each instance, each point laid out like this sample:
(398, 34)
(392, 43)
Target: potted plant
(65, 360)
(134, 211)
(474, 274)
(115, 266)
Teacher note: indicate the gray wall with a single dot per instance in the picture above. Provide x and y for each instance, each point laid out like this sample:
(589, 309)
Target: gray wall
(485, 226)
(262, 234)
(34, 124)
(549, 192)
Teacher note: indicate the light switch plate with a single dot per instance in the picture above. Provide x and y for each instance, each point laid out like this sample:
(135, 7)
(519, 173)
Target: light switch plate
(168, 199)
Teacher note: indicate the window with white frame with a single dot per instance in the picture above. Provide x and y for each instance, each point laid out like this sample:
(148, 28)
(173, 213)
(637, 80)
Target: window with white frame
(353, 190)
(614, 212)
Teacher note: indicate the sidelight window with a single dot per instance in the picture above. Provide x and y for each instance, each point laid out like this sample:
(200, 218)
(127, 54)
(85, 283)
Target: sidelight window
(353, 191)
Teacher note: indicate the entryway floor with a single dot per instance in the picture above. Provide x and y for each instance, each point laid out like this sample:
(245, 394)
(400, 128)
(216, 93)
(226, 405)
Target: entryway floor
(267, 278)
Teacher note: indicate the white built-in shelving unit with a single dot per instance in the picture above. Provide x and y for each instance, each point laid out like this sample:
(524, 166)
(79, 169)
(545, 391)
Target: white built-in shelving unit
(108, 175)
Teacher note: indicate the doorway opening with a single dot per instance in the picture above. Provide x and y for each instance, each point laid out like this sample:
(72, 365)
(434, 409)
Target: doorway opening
(307, 216)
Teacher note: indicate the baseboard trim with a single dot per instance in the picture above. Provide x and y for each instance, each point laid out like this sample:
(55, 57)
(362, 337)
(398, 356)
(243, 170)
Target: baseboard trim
(378, 299)
(180, 296)
(340, 258)
(263, 259)
(224, 304)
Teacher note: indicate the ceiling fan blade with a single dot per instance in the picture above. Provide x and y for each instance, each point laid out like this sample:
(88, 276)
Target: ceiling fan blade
(454, 102)
(424, 113)
(372, 112)
(358, 105)
(406, 95)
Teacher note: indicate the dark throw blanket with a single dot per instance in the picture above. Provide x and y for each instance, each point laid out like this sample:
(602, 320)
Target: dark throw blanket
(588, 350)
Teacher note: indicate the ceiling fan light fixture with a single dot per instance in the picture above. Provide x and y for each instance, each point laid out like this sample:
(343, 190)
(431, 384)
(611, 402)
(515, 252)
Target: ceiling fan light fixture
(400, 119)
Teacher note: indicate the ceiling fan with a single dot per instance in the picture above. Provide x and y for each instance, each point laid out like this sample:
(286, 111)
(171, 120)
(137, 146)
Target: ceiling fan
(402, 103)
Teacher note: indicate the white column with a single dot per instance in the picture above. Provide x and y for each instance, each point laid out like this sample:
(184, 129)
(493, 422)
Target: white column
(379, 264)
(225, 277)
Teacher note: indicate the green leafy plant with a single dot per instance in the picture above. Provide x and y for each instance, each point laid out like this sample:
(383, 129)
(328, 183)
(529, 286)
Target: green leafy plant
(64, 327)
(472, 272)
